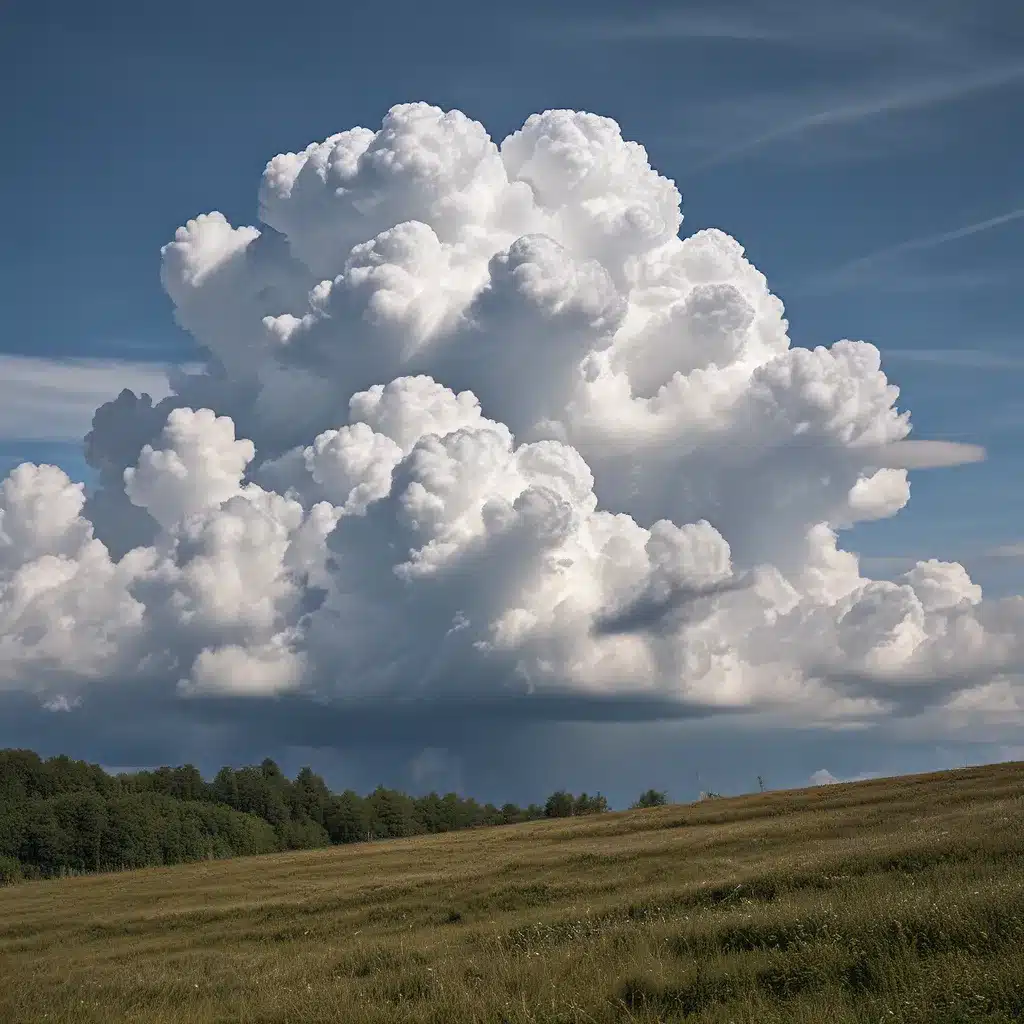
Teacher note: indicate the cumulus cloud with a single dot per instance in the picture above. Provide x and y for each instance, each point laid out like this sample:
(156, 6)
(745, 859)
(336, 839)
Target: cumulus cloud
(476, 424)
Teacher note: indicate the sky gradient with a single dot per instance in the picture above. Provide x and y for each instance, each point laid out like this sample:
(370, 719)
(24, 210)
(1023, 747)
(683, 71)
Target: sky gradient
(867, 161)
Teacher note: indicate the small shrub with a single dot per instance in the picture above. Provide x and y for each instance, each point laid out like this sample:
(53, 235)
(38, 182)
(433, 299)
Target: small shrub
(10, 870)
(651, 798)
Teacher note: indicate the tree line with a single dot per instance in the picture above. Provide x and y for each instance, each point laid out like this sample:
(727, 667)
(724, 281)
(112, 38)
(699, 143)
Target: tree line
(60, 816)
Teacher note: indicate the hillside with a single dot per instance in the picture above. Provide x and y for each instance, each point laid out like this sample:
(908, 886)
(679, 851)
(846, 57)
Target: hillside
(896, 899)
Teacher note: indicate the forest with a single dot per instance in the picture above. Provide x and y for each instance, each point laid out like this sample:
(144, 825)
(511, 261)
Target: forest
(60, 816)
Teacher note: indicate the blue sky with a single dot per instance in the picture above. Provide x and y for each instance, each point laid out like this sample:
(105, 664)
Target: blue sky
(870, 163)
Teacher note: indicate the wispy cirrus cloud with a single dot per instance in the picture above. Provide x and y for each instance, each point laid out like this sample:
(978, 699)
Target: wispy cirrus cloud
(839, 25)
(678, 26)
(975, 556)
(762, 121)
(942, 237)
(822, 70)
(47, 399)
(864, 269)
(891, 279)
(1015, 550)
(957, 358)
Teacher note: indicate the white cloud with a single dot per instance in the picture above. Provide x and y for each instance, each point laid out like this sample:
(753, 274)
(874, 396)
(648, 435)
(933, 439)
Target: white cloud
(823, 777)
(46, 399)
(61, 703)
(479, 426)
(928, 454)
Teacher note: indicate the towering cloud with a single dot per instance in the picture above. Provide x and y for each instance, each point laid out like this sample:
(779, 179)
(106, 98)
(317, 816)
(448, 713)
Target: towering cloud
(476, 422)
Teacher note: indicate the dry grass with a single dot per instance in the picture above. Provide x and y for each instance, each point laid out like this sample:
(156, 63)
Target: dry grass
(892, 900)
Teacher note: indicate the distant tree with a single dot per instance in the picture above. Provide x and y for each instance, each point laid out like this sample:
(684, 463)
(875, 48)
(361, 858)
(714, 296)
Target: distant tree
(585, 804)
(62, 816)
(651, 798)
(427, 812)
(390, 813)
(163, 781)
(130, 839)
(224, 788)
(81, 820)
(309, 796)
(263, 792)
(459, 812)
(63, 775)
(303, 834)
(21, 776)
(346, 818)
(42, 844)
(512, 813)
(559, 805)
(187, 783)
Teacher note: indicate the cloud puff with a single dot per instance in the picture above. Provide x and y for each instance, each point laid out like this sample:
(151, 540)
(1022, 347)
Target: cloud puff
(477, 425)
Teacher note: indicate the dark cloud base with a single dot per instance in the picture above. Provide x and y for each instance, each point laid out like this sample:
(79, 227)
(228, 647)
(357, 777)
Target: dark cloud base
(497, 752)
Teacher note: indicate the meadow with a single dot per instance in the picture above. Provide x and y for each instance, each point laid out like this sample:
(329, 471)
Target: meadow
(888, 900)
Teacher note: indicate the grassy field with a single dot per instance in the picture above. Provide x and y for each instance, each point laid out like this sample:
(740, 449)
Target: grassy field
(890, 900)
